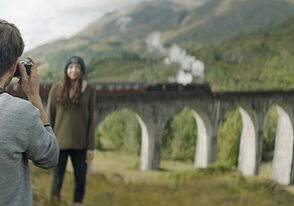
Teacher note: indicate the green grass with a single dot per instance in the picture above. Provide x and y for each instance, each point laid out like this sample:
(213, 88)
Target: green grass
(115, 180)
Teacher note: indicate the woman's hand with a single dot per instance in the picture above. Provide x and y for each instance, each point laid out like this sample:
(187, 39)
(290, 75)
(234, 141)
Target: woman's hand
(89, 156)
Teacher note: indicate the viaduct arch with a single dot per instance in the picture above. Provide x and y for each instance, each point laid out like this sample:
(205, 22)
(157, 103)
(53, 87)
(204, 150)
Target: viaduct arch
(154, 108)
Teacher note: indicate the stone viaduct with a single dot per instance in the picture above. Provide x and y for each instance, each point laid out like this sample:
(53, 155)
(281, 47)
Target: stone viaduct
(154, 108)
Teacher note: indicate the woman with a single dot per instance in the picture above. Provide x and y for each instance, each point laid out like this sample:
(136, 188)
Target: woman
(71, 113)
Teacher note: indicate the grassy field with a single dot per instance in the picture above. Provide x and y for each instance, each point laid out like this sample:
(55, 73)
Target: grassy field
(116, 180)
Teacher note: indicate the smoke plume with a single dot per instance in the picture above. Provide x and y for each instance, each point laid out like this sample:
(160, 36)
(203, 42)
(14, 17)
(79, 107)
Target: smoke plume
(190, 67)
(123, 22)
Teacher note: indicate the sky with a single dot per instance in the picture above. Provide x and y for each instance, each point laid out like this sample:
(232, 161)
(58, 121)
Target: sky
(42, 21)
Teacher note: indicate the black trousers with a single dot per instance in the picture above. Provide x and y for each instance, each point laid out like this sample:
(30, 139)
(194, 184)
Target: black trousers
(78, 158)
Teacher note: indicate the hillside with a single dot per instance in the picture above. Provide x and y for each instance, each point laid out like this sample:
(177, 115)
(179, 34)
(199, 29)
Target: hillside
(260, 61)
(114, 46)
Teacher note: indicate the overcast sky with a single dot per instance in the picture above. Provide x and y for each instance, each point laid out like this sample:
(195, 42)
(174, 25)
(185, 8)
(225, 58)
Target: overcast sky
(41, 21)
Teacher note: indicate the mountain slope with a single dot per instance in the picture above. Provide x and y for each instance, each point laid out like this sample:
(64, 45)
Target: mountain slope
(230, 18)
(260, 61)
(190, 25)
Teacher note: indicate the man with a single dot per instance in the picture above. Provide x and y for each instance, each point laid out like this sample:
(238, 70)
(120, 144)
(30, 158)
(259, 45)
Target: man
(25, 133)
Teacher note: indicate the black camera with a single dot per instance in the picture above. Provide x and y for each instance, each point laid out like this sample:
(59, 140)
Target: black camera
(27, 65)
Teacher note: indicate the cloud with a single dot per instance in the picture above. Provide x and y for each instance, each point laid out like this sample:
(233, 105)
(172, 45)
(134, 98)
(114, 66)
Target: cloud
(189, 66)
(41, 21)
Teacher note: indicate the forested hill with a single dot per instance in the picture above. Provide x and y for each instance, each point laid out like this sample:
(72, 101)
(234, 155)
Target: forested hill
(261, 61)
(114, 46)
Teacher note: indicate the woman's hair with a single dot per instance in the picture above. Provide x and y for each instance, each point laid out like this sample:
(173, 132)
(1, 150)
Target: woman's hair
(64, 97)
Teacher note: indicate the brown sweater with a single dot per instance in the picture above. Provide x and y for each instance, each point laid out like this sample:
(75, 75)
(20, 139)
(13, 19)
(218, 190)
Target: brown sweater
(73, 127)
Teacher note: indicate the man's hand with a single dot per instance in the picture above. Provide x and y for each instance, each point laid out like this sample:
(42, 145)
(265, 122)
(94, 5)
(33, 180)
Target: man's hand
(30, 84)
(89, 156)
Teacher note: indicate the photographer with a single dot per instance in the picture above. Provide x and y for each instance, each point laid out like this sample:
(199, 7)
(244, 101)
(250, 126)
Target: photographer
(25, 133)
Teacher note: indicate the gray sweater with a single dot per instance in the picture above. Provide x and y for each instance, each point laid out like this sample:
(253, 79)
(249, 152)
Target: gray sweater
(23, 137)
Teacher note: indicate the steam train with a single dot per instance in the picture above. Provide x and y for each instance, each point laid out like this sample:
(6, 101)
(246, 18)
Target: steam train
(116, 87)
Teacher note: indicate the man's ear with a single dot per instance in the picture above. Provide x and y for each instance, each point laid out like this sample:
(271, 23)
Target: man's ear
(13, 68)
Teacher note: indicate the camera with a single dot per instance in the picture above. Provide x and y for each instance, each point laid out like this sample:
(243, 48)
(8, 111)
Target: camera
(27, 65)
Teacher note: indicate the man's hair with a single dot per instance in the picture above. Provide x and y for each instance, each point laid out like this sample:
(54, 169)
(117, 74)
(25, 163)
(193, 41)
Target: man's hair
(11, 45)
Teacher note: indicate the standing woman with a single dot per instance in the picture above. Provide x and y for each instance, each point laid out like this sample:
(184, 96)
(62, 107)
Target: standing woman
(71, 113)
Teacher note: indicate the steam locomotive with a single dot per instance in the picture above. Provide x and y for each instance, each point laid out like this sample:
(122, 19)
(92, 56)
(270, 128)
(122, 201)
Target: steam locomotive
(144, 87)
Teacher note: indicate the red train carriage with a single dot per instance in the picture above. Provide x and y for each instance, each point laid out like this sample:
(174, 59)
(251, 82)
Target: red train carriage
(120, 87)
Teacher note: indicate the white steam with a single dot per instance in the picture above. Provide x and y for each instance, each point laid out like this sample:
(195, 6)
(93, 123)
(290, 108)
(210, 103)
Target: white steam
(189, 66)
(154, 43)
(123, 22)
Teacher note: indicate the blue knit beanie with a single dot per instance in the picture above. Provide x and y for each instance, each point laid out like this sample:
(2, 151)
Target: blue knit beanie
(75, 60)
